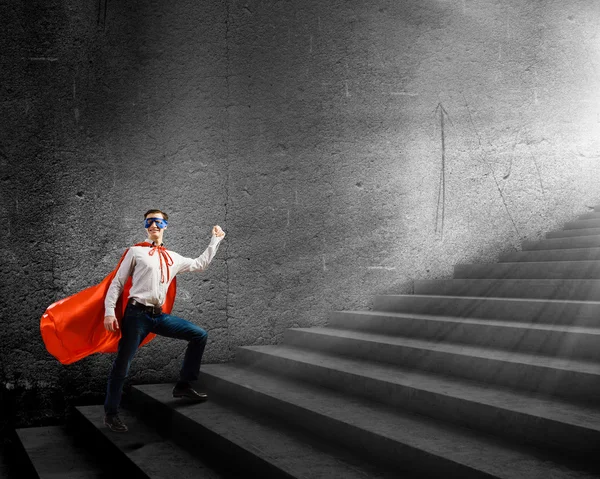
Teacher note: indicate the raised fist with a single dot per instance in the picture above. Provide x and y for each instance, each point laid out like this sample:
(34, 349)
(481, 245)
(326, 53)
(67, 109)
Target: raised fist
(217, 231)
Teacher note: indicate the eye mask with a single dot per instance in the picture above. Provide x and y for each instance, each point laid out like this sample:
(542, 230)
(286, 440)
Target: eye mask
(159, 222)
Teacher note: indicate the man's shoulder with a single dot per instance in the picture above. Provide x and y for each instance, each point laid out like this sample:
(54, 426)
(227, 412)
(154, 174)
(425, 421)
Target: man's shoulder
(136, 249)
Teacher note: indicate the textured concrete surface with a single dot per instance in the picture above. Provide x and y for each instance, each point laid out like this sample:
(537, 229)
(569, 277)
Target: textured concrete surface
(346, 147)
(152, 455)
(55, 454)
(246, 440)
(107, 118)
(395, 434)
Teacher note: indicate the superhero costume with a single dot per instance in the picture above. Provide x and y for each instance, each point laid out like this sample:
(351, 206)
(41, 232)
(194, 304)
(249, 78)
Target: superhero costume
(73, 328)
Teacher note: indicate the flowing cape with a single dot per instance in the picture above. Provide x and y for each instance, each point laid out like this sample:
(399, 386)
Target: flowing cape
(73, 328)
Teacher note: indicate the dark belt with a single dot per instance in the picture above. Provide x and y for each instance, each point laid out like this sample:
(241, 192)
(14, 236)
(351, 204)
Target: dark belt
(153, 310)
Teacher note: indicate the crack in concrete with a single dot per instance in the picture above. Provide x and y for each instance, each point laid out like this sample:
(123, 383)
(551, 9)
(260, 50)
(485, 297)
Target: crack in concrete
(228, 157)
(441, 201)
(537, 168)
(483, 156)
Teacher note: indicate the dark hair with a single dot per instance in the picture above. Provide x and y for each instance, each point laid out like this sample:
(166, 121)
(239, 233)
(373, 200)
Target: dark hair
(165, 215)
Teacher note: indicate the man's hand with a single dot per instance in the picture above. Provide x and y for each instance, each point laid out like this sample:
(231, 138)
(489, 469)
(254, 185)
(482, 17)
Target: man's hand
(111, 324)
(217, 231)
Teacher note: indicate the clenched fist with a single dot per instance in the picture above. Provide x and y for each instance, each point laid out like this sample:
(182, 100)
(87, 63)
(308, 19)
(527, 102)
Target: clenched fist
(111, 324)
(217, 231)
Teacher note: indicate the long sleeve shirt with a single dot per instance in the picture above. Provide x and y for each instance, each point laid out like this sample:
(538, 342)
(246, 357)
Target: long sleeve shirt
(145, 270)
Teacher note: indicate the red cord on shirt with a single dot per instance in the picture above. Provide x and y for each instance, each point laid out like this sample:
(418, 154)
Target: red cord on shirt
(163, 256)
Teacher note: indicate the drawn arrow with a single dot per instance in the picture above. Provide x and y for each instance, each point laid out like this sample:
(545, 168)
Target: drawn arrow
(441, 201)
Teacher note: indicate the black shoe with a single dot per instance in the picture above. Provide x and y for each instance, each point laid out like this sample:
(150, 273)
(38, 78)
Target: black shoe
(114, 423)
(189, 393)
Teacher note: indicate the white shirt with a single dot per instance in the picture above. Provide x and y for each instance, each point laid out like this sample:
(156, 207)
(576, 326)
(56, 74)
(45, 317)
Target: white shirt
(146, 286)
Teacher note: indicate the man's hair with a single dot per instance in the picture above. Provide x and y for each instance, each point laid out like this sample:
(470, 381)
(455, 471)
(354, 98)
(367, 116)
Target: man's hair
(165, 215)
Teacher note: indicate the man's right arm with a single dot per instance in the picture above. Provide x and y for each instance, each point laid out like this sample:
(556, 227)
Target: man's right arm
(116, 286)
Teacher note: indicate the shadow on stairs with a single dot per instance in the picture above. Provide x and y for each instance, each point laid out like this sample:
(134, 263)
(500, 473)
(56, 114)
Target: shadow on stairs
(495, 373)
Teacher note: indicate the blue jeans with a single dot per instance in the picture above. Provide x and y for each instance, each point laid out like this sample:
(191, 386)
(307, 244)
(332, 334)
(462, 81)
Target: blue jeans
(135, 326)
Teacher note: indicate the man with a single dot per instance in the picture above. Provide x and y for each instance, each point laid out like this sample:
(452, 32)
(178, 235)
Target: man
(152, 268)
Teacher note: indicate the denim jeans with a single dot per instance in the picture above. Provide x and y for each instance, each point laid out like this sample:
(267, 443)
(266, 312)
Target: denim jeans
(135, 326)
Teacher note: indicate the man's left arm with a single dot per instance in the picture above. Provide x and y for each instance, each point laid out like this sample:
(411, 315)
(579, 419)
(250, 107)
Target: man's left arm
(201, 262)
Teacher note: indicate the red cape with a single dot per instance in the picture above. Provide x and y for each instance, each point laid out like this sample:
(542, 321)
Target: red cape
(73, 328)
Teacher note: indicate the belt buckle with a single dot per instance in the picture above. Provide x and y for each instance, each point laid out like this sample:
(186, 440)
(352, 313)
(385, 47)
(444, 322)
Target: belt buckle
(156, 310)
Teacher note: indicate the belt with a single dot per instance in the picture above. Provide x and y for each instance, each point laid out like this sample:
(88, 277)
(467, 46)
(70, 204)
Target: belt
(152, 310)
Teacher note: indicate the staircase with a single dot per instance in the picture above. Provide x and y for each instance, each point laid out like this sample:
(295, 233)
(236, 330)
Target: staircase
(493, 374)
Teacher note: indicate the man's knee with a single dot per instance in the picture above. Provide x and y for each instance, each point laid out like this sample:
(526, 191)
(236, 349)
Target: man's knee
(200, 335)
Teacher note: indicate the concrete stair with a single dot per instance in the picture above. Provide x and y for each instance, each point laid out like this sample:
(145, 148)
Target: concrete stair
(530, 270)
(583, 223)
(390, 433)
(84, 448)
(549, 422)
(570, 289)
(562, 243)
(569, 233)
(455, 336)
(539, 256)
(253, 442)
(492, 374)
(56, 452)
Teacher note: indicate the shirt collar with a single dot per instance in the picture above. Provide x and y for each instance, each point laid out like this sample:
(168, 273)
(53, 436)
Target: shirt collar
(148, 240)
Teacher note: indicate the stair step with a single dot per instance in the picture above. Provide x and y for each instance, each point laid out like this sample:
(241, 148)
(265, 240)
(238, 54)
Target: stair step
(148, 453)
(54, 453)
(570, 313)
(530, 270)
(570, 378)
(574, 254)
(582, 223)
(564, 341)
(383, 433)
(524, 417)
(567, 289)
(562, 243)
(248, 440)
(573, 233)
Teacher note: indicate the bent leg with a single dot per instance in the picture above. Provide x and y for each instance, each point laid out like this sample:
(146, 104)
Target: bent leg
(175, 327)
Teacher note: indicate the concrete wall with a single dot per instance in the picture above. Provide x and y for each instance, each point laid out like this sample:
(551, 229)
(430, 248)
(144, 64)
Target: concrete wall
(336, 144)
(310, 131)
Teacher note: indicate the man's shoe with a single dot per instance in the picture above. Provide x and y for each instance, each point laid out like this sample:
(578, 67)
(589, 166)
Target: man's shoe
(189, 393)
(114, 423)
